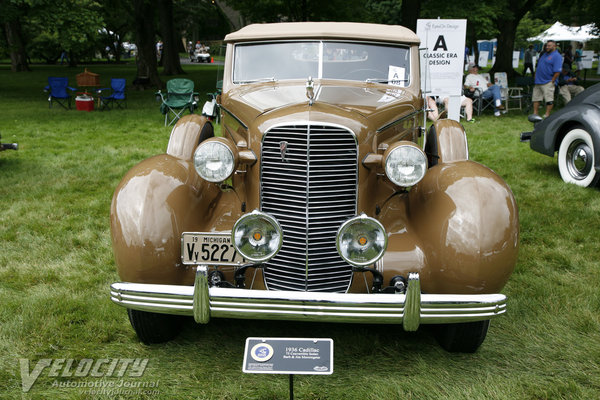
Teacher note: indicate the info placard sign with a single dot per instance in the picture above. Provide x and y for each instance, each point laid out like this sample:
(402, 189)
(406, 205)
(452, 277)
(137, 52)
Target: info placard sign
(442, 59)
(288, 356)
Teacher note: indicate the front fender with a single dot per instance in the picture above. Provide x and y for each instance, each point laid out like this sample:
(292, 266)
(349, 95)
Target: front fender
(187, 134)
(467, 220)
(156, 201)
(548, 134)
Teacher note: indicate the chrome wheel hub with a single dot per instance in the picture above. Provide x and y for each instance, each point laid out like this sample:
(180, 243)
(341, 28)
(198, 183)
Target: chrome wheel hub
(579, 159)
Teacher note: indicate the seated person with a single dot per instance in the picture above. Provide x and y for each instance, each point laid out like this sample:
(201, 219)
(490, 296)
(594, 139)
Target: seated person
(567, 85)
(465, 102)
(475, 81)
(433, 114)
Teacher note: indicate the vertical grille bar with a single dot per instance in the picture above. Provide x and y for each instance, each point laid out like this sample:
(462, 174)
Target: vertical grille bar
(308, 182)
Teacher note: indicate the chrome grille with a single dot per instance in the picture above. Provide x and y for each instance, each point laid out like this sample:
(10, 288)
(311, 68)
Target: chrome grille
(308, 182)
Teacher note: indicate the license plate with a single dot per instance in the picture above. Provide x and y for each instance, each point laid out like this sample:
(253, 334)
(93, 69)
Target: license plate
(209, 249)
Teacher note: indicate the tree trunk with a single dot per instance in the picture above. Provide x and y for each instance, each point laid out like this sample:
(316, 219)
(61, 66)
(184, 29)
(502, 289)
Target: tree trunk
(409, 13)
(507, 26)
(506, 43)
(14, 39)
(145, 35)
(170, 55)
(235, 19)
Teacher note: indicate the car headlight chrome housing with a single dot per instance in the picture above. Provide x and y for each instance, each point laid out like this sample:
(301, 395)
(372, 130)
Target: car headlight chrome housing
(215, 160)
(361, 240)
(405, 164)
(257, 236)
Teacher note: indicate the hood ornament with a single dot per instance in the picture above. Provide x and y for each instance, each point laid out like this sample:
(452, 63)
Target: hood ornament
(310, 93)
(283, 149)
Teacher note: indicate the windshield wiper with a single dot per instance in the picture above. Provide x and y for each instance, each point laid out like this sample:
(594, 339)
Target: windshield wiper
(271, 79)
(382, 80)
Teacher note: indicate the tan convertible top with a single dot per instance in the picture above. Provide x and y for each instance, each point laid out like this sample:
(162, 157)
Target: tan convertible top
(324, 30)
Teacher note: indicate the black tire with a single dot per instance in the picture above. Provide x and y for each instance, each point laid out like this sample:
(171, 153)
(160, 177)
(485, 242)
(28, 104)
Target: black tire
(465, 337)
(431, 147)
(207, 133)
(576, 159)
(154, 328)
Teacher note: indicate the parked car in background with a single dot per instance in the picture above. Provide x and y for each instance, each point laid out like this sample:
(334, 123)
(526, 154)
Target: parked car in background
(573, 132)
(8, 146)
(322, 200)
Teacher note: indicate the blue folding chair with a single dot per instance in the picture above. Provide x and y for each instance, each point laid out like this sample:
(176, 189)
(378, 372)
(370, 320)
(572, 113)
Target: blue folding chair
(117, 96)
(57, 87)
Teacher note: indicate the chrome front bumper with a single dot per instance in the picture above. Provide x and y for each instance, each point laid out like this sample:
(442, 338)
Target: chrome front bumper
(410, 309)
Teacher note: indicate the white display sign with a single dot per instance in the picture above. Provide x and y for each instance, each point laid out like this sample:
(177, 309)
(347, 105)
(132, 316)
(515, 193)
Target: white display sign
(516, 56)
(588, 58)
(483, 58)
(443, 58)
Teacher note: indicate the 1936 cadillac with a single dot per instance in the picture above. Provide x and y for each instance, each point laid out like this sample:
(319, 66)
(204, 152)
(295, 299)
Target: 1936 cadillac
(323, 198)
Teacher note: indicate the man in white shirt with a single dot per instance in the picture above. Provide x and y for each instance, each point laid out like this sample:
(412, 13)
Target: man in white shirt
(475, 81)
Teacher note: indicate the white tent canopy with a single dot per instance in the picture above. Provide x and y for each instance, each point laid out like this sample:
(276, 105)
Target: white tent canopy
(560, 32)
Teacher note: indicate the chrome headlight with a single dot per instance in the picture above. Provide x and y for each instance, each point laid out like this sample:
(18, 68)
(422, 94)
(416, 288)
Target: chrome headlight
(405, 164)
(214, 160)
(361, 240)
(257, 236)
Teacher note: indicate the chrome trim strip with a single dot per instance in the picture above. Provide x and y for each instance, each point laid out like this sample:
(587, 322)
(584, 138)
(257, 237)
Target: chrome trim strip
(239, 121)
(399, 120)
(410, 310)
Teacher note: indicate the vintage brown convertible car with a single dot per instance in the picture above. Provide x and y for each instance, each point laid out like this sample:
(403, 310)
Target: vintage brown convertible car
(321, 198)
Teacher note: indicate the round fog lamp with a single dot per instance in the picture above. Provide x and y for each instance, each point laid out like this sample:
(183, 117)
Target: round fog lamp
(361, 240)
(257, 236)
(405, 165)
(214, 161)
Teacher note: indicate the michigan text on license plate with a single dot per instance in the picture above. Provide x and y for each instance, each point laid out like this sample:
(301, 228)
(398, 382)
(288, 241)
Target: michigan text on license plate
(209, 249)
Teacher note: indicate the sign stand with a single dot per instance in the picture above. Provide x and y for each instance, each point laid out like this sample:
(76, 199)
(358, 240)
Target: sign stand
(288, 356)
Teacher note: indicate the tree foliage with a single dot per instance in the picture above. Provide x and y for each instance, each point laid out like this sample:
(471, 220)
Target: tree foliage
(44, 28)
(69, 25)
(304, 10)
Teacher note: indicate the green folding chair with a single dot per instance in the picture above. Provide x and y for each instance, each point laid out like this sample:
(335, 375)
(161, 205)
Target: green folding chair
(180, 97)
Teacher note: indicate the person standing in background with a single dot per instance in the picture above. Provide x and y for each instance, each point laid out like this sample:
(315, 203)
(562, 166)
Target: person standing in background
(579, 58)
(546, 75)
(528, 60)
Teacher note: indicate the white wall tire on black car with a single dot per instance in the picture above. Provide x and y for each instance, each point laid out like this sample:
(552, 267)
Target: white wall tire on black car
(576, 159)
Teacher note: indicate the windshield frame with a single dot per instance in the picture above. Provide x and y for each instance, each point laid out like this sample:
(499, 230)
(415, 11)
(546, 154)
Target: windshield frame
(321, 46)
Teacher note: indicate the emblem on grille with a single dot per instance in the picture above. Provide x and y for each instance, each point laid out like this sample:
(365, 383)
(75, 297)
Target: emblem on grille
(283, 148)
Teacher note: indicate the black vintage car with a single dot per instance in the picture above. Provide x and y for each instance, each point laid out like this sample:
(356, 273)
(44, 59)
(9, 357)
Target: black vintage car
(573, 132)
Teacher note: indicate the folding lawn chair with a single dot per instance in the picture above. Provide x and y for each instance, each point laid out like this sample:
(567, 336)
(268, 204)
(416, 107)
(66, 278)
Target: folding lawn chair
(527, 83)
(510, 94)
(58, 91)
(180, 96)
(117, 96)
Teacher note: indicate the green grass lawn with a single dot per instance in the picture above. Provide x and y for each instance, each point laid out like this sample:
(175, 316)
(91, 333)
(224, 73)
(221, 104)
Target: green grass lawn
(56, 265)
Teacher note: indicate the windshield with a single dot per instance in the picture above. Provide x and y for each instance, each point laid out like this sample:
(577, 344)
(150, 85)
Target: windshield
(264, 62)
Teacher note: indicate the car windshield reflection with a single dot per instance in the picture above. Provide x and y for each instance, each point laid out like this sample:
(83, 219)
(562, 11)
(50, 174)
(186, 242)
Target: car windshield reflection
(365, 62)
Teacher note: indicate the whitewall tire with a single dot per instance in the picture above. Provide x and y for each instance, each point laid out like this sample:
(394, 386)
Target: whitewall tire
(576, 159)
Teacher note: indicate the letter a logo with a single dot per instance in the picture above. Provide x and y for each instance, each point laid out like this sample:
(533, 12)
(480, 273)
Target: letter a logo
(440, 42)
